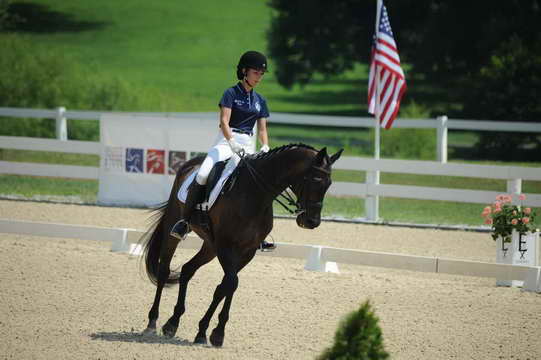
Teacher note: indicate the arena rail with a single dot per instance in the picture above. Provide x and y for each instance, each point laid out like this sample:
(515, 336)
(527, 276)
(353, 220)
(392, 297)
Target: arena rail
(371, 189)
(126, 240)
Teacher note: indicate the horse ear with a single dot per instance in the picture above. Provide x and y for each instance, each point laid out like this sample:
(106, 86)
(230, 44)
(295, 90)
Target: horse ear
(321, 155)
(336, 156)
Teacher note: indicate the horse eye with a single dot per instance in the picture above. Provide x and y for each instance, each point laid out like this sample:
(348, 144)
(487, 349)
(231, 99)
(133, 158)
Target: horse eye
(318, 179)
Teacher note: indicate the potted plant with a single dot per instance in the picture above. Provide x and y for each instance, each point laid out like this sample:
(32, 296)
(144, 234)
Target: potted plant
(515, 234)
(506, 217)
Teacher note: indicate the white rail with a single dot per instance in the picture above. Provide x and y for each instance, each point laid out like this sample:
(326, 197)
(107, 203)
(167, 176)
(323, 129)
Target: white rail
(370, 190)
(125, 239)
(287, 118)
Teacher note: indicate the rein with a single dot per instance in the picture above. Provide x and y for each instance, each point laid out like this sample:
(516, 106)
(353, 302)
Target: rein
(258, 179)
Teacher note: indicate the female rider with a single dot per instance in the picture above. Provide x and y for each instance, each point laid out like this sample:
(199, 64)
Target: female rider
(240, 108)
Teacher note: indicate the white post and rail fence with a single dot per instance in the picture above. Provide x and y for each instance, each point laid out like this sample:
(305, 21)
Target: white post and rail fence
(370, 190)
(318, 258)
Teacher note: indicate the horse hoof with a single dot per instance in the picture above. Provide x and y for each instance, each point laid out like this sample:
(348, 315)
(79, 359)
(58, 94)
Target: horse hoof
(149, 331)
(169, 330)
(216, 339)
(200, 339)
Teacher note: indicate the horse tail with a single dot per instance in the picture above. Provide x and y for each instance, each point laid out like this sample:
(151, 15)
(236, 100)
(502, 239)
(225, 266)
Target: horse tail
(153, 240)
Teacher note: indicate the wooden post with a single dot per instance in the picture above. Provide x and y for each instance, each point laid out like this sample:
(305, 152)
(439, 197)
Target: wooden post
(442, 139)
(371, 203)
(514, 187)
(61, 124)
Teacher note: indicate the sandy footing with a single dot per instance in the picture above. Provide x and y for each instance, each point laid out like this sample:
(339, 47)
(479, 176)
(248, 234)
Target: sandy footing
(74, 299)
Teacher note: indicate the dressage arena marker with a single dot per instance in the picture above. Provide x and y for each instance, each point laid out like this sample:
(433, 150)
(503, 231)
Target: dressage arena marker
(314, 262)
(126, 240)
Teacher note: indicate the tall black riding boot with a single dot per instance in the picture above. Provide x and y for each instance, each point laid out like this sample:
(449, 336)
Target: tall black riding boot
(182, 227)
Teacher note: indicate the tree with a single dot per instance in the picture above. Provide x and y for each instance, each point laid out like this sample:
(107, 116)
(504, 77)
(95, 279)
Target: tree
(6, 18)
(358, 337)
(485, 54)
(447, 38)
(508, 88)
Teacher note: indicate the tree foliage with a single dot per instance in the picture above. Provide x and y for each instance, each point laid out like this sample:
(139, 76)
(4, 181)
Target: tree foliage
(435, 36)
(358, 337)
(485, 54)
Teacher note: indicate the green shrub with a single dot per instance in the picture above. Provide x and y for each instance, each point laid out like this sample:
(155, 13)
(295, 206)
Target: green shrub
(418, 144)
(358, 337)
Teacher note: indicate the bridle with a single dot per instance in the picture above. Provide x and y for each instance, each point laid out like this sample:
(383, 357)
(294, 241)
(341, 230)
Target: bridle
(299, 206)
(305, 185)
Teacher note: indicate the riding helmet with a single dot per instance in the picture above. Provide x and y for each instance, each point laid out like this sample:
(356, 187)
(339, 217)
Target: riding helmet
(251, 60)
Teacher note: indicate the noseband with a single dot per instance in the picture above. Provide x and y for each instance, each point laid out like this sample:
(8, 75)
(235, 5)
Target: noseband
(306, 204)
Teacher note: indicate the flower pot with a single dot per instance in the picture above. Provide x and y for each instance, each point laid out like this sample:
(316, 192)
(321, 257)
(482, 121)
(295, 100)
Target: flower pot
(522, 250)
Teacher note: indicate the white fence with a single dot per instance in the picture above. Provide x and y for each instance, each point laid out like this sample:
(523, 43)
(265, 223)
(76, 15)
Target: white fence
(126, 240)
(371, 189)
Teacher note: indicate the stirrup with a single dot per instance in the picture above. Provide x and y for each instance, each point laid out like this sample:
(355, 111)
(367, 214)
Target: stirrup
(267, 246)
(180, 230)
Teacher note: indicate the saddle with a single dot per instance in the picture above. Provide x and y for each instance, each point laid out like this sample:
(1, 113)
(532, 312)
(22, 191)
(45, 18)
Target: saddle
(221, 179)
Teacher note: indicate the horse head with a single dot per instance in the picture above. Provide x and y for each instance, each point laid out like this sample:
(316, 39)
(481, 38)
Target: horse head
(311, 189)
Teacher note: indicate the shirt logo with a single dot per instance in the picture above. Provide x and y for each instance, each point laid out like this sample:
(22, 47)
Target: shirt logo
(257, 106)
(239, 102)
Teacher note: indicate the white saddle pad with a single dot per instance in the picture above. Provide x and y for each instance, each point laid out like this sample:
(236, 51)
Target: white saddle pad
(183, 191)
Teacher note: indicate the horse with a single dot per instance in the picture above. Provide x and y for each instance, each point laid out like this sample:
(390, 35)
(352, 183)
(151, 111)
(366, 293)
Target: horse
(240, 220)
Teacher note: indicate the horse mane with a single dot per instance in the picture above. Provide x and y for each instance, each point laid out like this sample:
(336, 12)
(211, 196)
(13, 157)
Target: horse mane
(278, 150)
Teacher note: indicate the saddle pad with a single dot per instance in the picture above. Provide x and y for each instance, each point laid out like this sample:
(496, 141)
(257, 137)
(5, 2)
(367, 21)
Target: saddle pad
(183, 191)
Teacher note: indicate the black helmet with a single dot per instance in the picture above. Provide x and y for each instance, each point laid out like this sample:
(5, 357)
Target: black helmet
(251, 60)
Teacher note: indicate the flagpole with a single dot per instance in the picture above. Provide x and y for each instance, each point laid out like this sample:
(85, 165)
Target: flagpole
(377, 112)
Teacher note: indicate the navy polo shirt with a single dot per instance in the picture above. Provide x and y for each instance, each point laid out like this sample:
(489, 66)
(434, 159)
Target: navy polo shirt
(246, 107)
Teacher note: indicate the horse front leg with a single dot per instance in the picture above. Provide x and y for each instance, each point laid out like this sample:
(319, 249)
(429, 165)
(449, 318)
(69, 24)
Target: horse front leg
(205, 254)
(225, 290)
(231, 265)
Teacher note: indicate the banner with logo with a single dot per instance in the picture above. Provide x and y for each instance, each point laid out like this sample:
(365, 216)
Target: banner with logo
(140, 155)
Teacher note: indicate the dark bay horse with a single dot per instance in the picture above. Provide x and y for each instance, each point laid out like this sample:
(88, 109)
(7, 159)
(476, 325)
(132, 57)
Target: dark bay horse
(240, 220)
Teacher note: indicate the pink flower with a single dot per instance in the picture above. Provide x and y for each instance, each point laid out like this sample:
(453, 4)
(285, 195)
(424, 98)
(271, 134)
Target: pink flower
(525, 220)
(497, 210)
(486, 211)
(500, 197)
(527, 211)
(514, 221)
(488, 221)
(507, 198)
(522, 197)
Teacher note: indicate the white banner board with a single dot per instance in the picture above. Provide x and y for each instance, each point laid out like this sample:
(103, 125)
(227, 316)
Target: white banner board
(141, 154)
(522, 250)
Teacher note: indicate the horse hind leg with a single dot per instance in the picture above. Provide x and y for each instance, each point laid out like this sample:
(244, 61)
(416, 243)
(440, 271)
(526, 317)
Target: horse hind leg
(205, 255)
(163, 275)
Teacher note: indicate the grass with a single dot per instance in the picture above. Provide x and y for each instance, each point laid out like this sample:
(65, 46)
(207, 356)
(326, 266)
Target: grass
(47, 157)
(181, 55)
(48, 188)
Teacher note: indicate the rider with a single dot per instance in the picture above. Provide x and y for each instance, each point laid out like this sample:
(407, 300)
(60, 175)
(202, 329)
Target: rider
(240, 108)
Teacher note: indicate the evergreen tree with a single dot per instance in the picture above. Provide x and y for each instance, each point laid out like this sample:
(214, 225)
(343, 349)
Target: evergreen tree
(358, 337)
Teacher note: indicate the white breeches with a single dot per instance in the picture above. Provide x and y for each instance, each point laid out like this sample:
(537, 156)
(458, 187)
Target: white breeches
(221, 151)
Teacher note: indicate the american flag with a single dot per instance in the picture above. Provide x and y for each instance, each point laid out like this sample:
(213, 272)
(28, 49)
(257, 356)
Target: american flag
(386, 82)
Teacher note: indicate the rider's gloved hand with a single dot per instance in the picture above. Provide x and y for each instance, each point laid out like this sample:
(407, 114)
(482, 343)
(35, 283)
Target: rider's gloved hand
(235, 146)
(265, 148)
